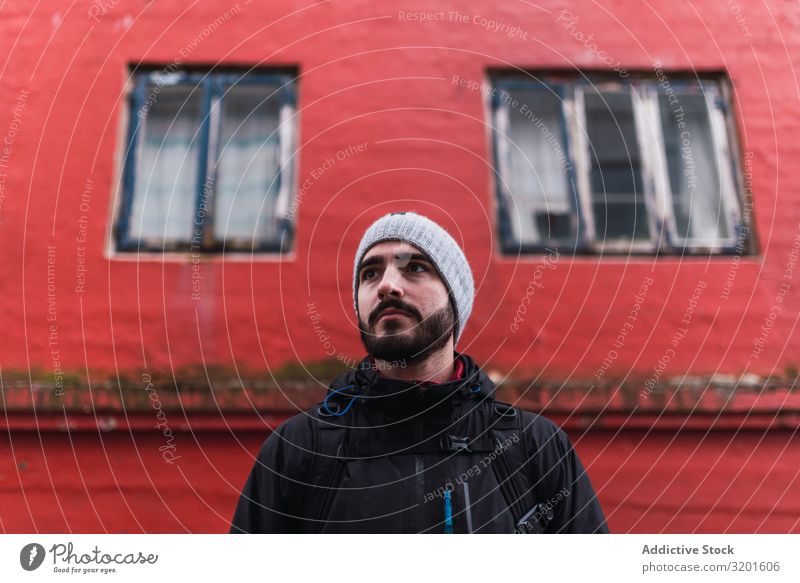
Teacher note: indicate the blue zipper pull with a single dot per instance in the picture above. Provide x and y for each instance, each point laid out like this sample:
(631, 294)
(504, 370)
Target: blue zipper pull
(448, 513)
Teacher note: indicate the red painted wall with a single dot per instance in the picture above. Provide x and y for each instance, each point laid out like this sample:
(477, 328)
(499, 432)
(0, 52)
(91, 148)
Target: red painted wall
(370, 76)
(661, 482)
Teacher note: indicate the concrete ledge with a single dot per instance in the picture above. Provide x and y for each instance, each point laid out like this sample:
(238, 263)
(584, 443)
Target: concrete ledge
(193, 408)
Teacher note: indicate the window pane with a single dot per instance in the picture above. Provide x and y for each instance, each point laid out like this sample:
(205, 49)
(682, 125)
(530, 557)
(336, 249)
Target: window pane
(693, 172)
(616, 172)
(248, 166)
(165, 183)
(537, 169)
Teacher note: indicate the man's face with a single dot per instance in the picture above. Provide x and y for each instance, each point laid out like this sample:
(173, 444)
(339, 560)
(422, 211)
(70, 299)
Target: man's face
(404, 308)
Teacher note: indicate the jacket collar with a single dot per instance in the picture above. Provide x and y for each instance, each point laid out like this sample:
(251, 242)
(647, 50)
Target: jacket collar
(374, 389)
(458, 373)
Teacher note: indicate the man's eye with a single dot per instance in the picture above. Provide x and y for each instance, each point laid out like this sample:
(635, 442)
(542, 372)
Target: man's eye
(367, 273)
(413, 266)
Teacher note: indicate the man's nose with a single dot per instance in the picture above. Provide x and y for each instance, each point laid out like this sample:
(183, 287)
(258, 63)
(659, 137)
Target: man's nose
(390, 284)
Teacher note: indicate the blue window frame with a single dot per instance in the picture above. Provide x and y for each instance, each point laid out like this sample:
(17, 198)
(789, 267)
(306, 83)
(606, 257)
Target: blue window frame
(209, 165)
(600, 164)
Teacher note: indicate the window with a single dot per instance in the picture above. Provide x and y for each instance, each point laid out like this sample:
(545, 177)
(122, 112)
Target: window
(209, 164)
(598, 165)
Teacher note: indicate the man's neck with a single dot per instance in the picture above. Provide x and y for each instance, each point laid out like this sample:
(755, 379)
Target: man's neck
(437, 368)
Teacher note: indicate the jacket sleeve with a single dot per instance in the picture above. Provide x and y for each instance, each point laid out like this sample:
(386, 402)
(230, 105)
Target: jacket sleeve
(266, 504)
(572, 499)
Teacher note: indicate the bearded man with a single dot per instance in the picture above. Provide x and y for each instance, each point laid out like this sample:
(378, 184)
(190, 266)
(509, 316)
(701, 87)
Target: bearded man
(413, 440)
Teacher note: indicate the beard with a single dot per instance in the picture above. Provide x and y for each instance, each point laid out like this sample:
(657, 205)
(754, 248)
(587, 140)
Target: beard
(413, 345)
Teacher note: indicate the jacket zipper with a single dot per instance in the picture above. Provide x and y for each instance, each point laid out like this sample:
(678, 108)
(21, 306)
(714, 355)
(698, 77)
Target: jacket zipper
(448, 512)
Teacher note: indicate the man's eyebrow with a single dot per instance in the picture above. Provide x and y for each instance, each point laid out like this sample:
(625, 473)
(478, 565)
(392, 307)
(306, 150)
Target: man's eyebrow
(378, 259)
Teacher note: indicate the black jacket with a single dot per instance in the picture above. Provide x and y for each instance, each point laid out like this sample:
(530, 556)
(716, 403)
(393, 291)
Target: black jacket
(381, 455)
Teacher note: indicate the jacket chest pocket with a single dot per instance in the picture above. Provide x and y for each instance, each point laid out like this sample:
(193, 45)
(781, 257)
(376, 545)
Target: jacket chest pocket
(469, 500)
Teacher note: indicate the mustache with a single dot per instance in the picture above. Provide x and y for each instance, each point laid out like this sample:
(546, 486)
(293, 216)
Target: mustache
(392, 303)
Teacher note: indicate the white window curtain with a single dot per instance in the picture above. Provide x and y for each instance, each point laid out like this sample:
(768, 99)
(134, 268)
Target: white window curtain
(693, 170)
(165, 183)
(248, 165)
(536, 167)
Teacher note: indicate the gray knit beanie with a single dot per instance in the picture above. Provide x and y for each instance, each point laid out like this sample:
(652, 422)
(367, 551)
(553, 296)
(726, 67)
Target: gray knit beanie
(443, 251)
